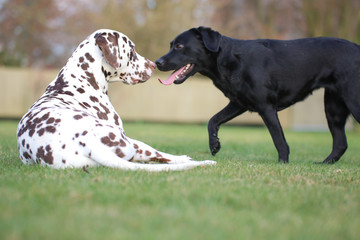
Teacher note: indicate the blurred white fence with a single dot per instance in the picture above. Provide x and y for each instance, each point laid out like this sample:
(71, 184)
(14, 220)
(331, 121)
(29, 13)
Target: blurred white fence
(194, 101)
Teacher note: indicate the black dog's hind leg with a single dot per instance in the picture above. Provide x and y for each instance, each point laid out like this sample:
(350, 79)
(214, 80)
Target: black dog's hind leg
(336, 115)
(271, 120)
(229, 112)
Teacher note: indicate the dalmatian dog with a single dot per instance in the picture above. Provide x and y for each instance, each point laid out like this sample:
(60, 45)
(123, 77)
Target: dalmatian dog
(74, 124)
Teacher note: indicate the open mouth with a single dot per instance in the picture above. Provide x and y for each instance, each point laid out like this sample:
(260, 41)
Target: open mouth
(179, 75)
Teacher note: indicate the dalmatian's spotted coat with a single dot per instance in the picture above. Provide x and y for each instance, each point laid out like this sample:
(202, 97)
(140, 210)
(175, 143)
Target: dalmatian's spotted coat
(74, 124)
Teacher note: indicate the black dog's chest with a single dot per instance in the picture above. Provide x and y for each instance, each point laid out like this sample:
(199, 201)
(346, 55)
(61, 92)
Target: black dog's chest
(226, 89)
(237, 91)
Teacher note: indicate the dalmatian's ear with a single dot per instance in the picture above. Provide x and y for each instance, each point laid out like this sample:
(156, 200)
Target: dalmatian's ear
(110, 48)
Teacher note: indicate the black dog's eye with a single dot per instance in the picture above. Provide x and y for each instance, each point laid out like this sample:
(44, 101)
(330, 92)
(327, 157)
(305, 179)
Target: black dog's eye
(178, 46)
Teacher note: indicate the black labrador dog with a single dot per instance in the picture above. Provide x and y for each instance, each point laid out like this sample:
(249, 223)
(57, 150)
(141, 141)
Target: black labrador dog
(266, 76)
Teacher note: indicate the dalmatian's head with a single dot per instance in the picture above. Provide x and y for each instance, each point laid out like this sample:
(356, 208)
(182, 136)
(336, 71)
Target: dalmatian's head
(120, 60)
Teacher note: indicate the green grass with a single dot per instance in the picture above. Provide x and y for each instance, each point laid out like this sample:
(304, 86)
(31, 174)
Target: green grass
(247, 195)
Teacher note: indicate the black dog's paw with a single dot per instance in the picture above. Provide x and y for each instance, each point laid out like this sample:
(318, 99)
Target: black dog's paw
(214, 146)
(283, 160)
(327, 161)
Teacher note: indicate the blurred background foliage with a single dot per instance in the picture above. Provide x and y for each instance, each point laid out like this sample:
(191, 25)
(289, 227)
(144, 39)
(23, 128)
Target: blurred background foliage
(43, 33)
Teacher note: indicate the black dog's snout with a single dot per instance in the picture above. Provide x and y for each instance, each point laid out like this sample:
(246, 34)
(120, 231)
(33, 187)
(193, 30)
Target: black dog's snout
(160, 62)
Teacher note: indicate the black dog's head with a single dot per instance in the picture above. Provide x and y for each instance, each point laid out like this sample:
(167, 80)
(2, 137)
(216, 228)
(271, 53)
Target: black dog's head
(188, 54)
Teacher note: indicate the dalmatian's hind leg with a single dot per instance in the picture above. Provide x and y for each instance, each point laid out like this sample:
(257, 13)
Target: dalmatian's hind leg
(140, 161)
(110, 147)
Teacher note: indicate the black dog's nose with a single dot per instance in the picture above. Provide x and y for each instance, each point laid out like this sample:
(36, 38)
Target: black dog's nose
(160, 62)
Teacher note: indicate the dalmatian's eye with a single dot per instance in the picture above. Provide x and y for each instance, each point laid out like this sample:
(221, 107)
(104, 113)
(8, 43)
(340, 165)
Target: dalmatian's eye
(178, 46)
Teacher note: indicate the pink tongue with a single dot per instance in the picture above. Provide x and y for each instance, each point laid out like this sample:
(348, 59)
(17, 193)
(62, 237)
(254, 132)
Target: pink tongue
(172, 77)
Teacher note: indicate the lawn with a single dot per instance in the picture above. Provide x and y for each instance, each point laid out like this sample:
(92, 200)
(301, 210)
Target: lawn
(247, 195)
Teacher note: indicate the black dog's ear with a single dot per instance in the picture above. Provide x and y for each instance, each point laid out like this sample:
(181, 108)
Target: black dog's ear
(210, 38)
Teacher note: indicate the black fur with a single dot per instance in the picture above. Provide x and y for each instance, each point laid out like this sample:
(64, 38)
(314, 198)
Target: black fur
(266, 76)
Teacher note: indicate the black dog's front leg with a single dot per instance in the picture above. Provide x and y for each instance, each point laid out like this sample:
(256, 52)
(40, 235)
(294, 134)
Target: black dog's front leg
(272, 122)
(229, 112)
